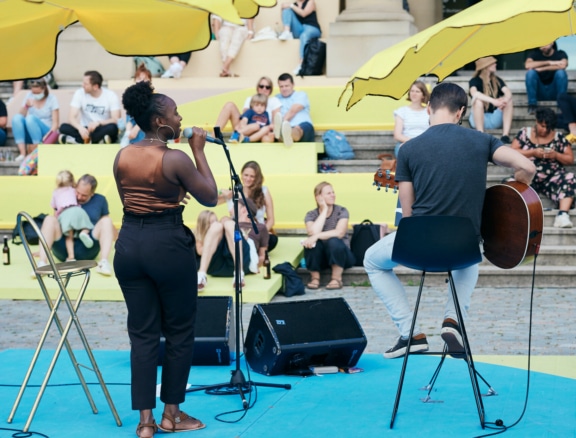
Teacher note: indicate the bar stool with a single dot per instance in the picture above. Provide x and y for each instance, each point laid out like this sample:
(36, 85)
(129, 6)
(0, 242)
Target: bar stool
(438, 244)
(61, 273)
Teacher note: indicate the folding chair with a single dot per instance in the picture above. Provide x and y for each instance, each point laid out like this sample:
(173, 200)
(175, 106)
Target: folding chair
(438, 244)
(61, 273)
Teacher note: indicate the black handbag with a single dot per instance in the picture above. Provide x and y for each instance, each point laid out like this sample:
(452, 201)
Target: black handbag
(31, 235)
(364, 235)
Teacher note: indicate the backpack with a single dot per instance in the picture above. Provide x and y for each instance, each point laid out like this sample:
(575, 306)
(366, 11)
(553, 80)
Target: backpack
(291, 282)
(336, 146)
(364, 235)
(156, 68)
(314, 58)
(29, 232)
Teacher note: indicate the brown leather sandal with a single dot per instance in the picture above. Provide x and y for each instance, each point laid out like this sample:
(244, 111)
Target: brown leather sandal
(153, 425)
(313, 284)
(334, 284)
(178, 420)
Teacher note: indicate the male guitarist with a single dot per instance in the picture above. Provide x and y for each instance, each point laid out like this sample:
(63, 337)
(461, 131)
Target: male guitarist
(440, 172)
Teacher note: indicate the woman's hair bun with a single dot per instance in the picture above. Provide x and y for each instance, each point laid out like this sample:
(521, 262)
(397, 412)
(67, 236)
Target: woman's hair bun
(136, 99)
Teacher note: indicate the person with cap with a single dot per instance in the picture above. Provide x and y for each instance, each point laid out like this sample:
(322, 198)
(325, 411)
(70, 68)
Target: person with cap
(492, 106)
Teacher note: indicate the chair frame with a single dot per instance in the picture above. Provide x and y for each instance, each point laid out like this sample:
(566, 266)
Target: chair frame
(431, 259)
(61, 273)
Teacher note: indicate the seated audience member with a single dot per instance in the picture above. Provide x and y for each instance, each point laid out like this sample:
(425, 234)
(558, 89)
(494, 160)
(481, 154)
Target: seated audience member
(492, 106)
(3, 122)
(546, 76)
(300, 21)
(327, 244)
(133, 133)
(94, 113)
(293, 122)
(254, 123)
(551, 152)
(217, 251)
(177, 63)
(231, 113)
(254, 189)
(37, 119)
(103, 234)
(567, 105)
(230, 38)
(412, 120)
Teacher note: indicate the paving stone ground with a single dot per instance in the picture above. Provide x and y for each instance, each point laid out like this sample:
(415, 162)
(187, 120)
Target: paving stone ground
(499, 320)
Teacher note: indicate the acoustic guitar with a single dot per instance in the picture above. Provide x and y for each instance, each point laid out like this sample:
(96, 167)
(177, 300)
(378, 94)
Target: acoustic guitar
(512, 224)
(384, 176)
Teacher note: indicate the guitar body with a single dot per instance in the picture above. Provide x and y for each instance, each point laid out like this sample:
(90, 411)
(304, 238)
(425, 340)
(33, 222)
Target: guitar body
(512, 224)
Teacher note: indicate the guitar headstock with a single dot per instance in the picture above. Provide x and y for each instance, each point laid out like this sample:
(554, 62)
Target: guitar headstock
(385, 178)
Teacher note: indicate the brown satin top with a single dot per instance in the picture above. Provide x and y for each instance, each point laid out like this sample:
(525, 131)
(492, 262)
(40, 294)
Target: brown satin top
(140, 176)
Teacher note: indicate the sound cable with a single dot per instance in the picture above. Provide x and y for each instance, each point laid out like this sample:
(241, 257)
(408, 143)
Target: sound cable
(18, 433)
(499, 425)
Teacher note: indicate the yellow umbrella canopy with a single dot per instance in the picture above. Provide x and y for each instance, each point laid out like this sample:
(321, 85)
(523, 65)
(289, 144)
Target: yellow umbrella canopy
(490, 27)
(249, 8)
(29, 29)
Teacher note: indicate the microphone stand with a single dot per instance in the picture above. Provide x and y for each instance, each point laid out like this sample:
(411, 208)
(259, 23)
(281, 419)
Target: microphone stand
(238, 383)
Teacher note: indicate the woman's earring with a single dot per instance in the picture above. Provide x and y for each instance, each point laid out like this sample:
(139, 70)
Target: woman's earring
(166, 126)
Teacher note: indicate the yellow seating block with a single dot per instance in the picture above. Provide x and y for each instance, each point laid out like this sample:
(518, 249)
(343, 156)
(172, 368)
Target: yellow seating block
(371, 113)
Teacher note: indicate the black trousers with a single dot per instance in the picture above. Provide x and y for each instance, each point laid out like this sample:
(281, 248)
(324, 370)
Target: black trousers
(156, 269)
(327, 253)
(96, 136)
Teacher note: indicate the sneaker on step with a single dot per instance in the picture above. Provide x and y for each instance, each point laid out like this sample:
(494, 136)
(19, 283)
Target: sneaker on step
(235, 137)
(296, 71)
(571, 138)
(286, 35)
(287, 133)
(107, 139)
(177, 70)
(86, 240)
(104, 268)
(39, 264)
(450, 334)
(277, 125)
(202, 280)
(563, 221)
(419, 343)
(66, 139)
(19, 158)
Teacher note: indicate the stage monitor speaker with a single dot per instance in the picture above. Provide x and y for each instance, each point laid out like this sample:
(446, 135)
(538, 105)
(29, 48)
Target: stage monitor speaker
(283, 338)
(214, 337)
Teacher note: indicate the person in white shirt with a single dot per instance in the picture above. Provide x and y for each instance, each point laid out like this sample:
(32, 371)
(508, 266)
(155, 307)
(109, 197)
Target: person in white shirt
(94, 113)
(412, 120)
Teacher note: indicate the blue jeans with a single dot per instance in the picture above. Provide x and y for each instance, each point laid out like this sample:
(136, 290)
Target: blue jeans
(493, 120)
(303, 31)
(2, 137)
(29, 129)
(536, 90)
(379, 267)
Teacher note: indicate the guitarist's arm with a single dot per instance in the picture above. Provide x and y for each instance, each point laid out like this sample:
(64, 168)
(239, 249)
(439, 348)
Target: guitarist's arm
(524, 169)
(406, 196)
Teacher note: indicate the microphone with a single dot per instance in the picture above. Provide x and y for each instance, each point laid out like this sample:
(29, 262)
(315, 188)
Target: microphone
(188, 133)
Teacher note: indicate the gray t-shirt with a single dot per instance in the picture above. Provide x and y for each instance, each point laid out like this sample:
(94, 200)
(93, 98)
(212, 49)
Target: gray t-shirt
(447, 165)
(338, 212)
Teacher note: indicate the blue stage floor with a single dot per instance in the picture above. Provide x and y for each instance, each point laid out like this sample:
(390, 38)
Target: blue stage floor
(334, 405)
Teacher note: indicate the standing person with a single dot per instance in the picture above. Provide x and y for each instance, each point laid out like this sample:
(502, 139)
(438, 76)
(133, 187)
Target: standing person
(551, 152)
(254, 189)
(177, 63)
(254, 123)
(38, 117)
(300, 21)
(412, 120)
(155, 261)
(231, 113)
(327, 244)
(451, 184)
(94, 113)
(546, 76)
(230, 38)
(73, 219)
(492, 106)
(293, 121)
(103, 233)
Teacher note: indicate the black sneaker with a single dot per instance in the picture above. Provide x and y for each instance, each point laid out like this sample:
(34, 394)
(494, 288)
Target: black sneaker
(505, 139)
(453, 337)
(419, 343)
(532, 109)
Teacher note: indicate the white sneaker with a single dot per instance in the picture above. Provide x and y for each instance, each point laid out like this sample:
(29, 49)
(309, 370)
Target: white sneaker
(563, 221)
(277, 125)
(296, 71)
(177, 70)
(39, 264)
(104, 268)
(86, 240)
(19, 158)
(107, 139)
(287, 133)
(202, 280)
(168, 73)
(286, 35)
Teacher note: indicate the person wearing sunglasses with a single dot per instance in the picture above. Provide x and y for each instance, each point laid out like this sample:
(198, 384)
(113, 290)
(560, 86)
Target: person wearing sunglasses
(231, 113)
